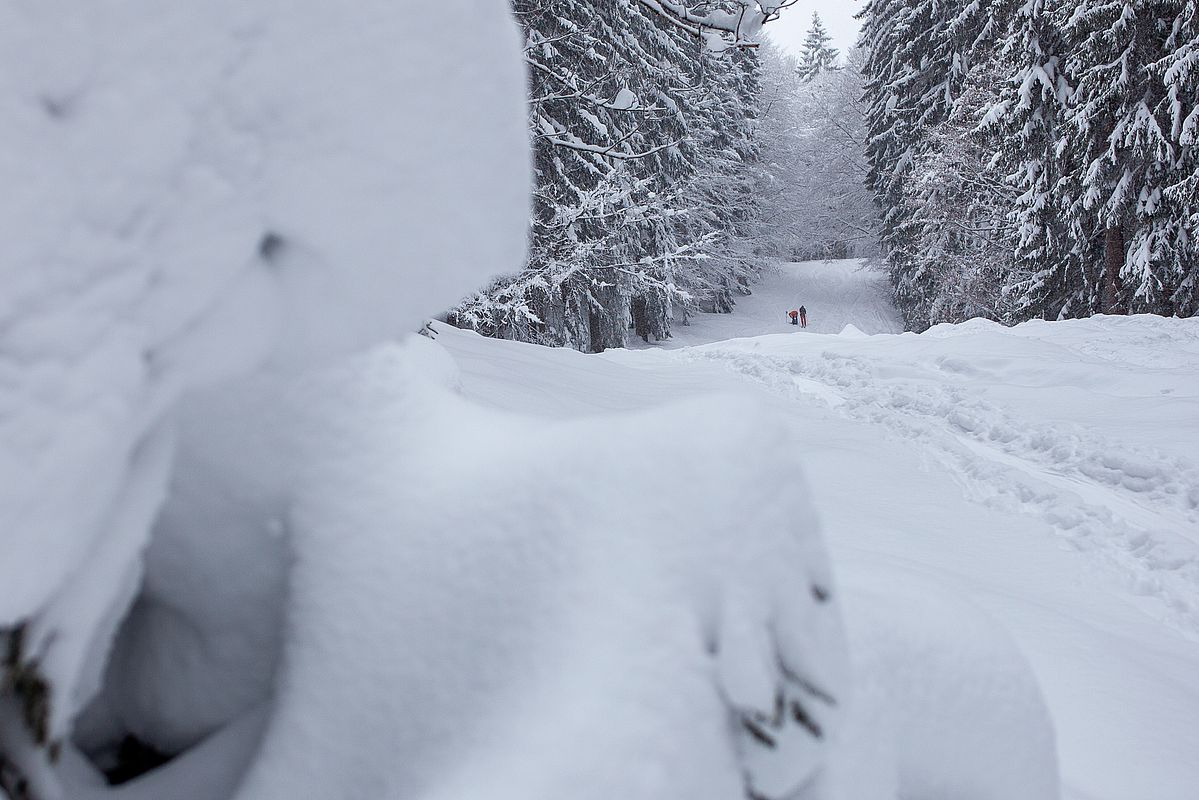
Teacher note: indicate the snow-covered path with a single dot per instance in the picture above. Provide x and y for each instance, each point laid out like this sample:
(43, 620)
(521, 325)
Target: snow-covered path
(835, 294)
(1046, 472)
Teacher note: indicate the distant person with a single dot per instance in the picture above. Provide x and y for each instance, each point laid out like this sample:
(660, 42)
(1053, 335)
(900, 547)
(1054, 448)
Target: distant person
(803, 317)
(794, 315)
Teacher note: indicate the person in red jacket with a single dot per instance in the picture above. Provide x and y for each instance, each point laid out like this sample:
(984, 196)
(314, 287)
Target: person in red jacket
(794, 315)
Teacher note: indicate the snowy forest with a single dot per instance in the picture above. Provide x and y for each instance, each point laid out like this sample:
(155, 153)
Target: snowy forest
(594, 399)
(1035, 160)
(666, 169)
(1009, 161)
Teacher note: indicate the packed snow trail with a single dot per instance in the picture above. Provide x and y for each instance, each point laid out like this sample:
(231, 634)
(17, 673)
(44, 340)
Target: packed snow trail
(835, 294)
(1045, 472)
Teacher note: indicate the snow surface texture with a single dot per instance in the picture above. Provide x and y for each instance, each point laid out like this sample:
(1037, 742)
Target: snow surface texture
(1084, 565)
(1047, 472)
(482, 599)
(201, 643)
(944, 704)
(194, 191)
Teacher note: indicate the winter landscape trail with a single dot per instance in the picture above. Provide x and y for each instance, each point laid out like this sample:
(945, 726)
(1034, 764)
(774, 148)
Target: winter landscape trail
(835, 294)
(1045, 472)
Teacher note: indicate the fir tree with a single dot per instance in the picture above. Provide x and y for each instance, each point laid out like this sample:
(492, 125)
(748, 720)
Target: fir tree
(1125, 129)
(960, 210)
(644, 155)
(817, 56)
(1179, 72)
(812, 135)
(919, 57)
(1030, 121)
(1035, 159)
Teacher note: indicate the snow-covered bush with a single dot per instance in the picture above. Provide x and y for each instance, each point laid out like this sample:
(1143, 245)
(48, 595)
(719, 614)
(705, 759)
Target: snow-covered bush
(195, 191)
(291, 571)
(489, 602)
(214, 201)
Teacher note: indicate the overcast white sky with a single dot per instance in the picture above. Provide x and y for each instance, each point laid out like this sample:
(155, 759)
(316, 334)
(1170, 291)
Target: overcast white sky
(789, 29)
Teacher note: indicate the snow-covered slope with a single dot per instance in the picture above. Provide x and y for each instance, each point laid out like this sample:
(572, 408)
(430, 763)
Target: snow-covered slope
(1044, 473)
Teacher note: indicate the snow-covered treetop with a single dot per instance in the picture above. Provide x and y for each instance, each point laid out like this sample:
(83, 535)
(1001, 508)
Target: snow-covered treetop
(817, 56)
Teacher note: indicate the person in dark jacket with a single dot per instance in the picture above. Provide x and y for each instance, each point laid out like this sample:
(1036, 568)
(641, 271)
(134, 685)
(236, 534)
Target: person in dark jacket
(803, 317)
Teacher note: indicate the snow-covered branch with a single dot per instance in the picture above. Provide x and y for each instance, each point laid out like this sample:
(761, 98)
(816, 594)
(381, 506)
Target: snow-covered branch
(624, 100)
(719, 28)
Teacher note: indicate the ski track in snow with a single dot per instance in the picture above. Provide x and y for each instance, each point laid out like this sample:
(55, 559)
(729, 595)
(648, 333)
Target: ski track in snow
(1135, 508)
(1045, 473)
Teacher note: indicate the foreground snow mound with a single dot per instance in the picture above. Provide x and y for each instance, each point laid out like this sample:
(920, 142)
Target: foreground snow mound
(199, 646)
(195, 190)
(944, 704)
(539, 608)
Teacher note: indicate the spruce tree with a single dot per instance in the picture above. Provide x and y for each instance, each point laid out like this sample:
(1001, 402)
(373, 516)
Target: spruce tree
(1179, 71)
(1035, 159)
(812, 135)
(920, 53)
(817, 56)
(1125, 131)
(960, 206)
(1029, 118)
(644, 154)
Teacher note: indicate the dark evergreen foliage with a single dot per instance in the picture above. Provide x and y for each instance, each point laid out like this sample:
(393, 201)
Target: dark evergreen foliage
(1035, 159)
(644, 151)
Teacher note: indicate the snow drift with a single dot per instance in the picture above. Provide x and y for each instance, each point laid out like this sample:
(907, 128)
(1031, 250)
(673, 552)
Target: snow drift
(485, 599)
(197, 191)
(1045, 472)
(944, 704)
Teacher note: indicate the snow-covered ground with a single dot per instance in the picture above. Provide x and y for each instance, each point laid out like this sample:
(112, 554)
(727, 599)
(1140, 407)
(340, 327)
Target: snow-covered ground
(244, 528)
(473, 567)
(1045, 473)
(835, 294)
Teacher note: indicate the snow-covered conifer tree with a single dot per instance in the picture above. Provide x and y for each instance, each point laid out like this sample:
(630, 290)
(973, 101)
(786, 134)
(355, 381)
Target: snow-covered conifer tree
(817, 56)
(645, 152)
(960, 205)
(1126, 121)
(919, 55)
(1179, 70)
(812, 134)
(1085, 110)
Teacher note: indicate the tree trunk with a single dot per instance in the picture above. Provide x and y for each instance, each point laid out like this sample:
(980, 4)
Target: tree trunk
(1113, 262)
(640, 312)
